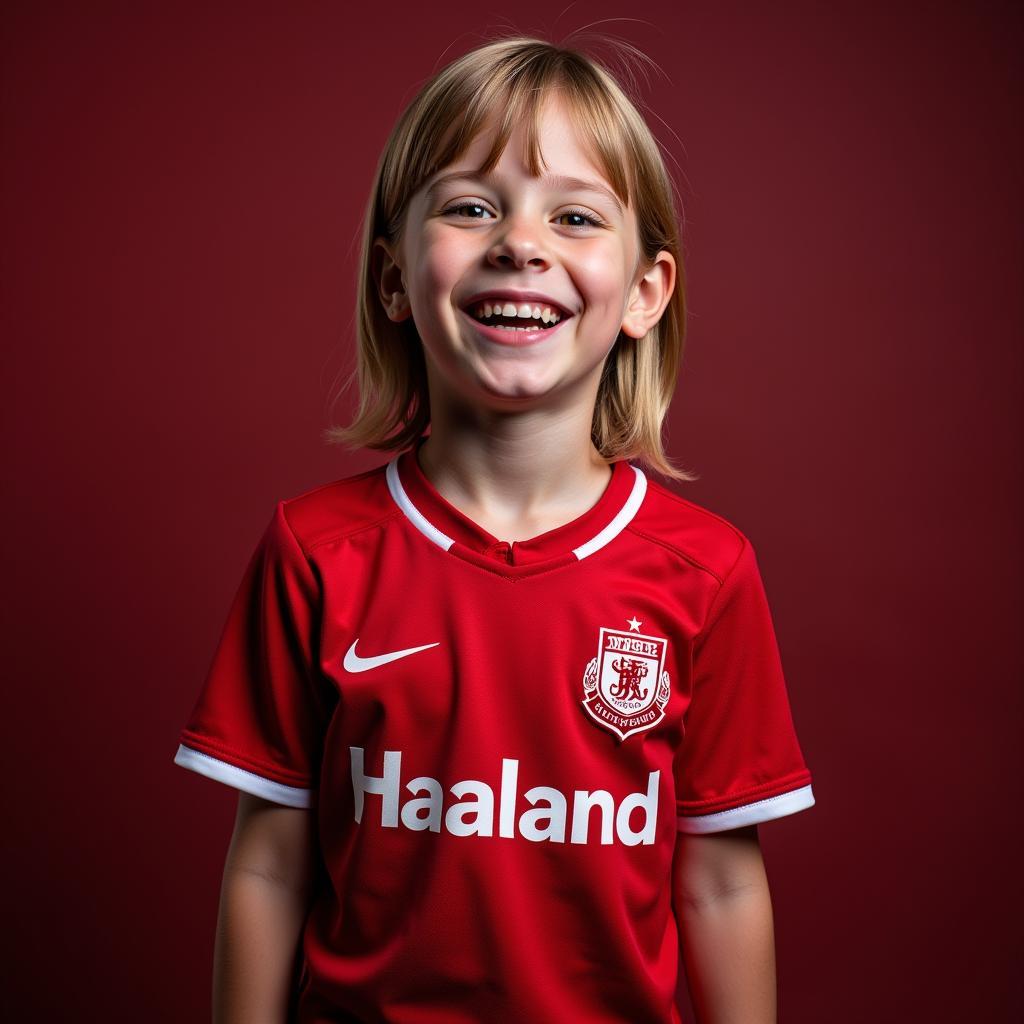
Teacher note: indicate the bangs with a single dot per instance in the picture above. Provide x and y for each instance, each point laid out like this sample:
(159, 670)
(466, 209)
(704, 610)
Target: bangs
(500, 98)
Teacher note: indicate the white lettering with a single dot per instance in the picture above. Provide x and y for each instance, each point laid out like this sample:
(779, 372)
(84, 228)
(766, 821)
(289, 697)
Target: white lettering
(582, 802)
(646, 802)
(387, 786)
(482, 810)
(554, 814)
(509, 782)
(473, 814)
(431, 804)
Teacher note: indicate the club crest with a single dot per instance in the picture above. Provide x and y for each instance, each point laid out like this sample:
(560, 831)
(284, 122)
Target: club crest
(626, 686)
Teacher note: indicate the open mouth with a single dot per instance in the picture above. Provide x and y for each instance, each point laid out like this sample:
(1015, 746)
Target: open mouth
(509, 316)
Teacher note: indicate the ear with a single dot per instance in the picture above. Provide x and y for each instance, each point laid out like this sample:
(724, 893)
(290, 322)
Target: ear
(649, 296)
(387, 273)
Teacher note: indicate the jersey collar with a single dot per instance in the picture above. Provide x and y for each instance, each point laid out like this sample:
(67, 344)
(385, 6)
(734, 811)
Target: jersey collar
(443, 524)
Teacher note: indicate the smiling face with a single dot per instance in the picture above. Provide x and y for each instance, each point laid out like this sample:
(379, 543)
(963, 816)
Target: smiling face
(506, 234)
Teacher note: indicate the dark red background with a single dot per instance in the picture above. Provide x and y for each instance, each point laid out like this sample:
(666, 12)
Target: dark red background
(182, 188)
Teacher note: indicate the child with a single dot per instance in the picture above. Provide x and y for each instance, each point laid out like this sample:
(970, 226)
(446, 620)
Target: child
(504, 713)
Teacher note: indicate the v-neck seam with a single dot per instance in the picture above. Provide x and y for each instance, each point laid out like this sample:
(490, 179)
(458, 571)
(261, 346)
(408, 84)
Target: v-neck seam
(631, 492)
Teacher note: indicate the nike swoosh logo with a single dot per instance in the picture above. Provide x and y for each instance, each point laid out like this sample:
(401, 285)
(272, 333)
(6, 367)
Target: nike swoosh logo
(353, 663)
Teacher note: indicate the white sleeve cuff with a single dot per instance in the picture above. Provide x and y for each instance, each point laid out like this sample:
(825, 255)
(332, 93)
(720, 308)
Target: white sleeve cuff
(749, 814)
(239, 778)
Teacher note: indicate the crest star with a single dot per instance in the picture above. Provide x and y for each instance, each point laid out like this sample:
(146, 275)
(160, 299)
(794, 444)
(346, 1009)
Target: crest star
(634, 625)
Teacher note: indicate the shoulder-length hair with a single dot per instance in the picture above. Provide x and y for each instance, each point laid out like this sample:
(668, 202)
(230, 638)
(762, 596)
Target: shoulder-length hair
(504, 83)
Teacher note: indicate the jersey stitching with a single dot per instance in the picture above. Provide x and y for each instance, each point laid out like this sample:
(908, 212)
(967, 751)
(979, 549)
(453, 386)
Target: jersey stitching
(333, 483)
(308, 671)
(785, 779)
(676, 551)
(589, 560)
(228, 751)
(345, 534)
(696, 508)
(398, 514)
(709, 618)
(631, 527)
(256, 775)
(498, 573)
(517, 579)
(307, 551)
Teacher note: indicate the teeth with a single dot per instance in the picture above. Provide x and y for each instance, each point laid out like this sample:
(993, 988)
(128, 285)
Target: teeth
(525, 312)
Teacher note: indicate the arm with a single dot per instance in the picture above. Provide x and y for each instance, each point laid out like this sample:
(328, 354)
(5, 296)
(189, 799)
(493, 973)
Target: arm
(263, 904)
(724, 912)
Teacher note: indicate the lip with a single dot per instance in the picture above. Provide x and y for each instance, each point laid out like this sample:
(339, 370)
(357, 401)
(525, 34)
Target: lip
(514, 338)
(516, 295)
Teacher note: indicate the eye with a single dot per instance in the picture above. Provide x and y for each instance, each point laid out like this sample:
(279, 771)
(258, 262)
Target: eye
(465, 206)
(594, 220)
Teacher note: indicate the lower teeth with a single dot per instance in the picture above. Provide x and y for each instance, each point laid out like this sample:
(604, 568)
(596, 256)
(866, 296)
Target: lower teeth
(506, 327)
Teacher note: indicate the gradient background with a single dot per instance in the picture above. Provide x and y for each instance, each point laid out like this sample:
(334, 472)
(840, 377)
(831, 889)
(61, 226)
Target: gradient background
(182, 186)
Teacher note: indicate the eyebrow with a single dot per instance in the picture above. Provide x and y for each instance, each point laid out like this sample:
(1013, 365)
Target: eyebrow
(556, 181)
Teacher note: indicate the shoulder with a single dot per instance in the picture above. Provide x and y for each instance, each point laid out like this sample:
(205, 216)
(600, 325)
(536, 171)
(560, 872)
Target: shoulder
(334, 510)
(689, 531)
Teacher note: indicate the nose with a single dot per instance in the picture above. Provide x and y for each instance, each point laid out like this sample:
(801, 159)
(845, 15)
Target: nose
(518, 245)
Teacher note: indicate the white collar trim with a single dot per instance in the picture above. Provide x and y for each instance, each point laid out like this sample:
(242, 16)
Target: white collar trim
(622, 519)
(412, 513)
(625, 515)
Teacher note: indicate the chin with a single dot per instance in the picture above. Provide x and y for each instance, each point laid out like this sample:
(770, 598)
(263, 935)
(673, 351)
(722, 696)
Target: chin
(514, 389)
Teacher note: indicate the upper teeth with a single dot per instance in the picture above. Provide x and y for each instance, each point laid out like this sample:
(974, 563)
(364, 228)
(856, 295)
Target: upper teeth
(526, 311)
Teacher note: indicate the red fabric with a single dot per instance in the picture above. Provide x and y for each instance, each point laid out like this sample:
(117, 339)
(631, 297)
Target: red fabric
(471, 883)
(265, 707)
(739, 744)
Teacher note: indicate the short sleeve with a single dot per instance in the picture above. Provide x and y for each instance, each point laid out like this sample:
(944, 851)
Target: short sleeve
(740, 762)
(260, 717)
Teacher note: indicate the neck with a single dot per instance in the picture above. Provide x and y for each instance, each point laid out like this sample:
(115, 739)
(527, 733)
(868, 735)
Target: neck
(517, 474)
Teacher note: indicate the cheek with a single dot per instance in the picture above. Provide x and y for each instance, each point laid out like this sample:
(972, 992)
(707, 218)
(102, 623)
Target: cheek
(600, 279)
(441, 262)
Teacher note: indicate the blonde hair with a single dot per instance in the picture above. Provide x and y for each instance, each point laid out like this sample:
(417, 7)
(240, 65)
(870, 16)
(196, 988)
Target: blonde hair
(505, 82)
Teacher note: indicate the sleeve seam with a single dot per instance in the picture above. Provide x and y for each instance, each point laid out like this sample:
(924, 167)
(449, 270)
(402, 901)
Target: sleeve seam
(203, 745)
(353, 531)
(792, 781)
(311, 672)
(778, 806)
(291, 531)
(678, 552)
(709, 619)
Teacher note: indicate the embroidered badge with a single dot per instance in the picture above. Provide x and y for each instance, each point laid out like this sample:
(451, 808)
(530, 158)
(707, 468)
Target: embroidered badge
(626, 686)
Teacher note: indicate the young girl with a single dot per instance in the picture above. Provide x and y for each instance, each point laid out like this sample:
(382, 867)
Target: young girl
(504, 712)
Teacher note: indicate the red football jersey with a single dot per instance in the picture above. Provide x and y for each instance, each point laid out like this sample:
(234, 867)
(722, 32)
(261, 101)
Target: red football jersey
(499, 741)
